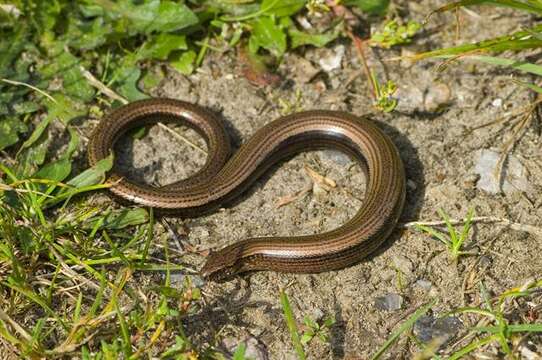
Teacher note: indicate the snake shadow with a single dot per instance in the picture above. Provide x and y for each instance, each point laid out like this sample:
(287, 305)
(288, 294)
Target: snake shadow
(228, 308)
(415, 189)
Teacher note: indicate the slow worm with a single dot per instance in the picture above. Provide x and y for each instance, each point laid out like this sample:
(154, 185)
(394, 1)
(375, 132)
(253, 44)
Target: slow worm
(222, 179)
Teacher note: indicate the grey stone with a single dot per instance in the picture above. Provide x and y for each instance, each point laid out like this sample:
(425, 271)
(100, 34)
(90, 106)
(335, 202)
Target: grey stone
(403, 264)
(333, 59)
(514, 174)
(428, 328)
(389, 302)
(437, 96)
(424, 284)
(177, 280)
(254, 349)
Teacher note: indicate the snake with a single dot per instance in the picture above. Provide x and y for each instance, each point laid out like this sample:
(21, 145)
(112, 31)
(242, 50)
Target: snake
(226, 176)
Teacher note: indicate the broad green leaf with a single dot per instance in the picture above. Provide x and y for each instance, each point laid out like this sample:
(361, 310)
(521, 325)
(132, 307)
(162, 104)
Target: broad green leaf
(185, 63)
(373, 7)
(6, 98)
(157, 15)
(162, 45)
(72, 145)
(300, 38)
(66, 66)
(236, 9)
(127, 78)
(150, 80)
(26, 107)
(281, 7)
(88, 35)
(93, 175)
(9, 131)
(37, 133)
(268, 35)
(64, 109)
(56, 171)
(30, 158)
(10, 50)
(46, 15)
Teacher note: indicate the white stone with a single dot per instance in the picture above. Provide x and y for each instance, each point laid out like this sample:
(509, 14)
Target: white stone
(514, 173)
(333, 60)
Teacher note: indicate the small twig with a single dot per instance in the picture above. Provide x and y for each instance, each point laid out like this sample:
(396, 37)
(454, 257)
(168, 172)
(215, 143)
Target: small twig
(358, 42)
(7, 319)
(18, 83)
(483, 220)
(101, 86)
(181, 137)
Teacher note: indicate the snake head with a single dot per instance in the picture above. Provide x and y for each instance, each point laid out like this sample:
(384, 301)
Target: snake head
(223, 264)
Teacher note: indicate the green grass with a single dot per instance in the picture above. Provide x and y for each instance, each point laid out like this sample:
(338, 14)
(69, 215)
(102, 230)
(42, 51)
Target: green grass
(453, 240)
(502, 332)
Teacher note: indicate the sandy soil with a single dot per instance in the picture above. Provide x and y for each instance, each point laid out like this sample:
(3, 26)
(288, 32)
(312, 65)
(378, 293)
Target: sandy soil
(429, 127)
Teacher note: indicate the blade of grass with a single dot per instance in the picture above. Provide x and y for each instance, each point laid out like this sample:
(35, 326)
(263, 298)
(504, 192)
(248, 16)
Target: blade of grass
(451, 230)
(513, 4)
(404, 327)
(471, 347)
(511, 328)
(520, 65)
(149, 236)
(516, 41)
(533, 87)
(126, 343)
(240, 352)
(436, 234)
(292, 327)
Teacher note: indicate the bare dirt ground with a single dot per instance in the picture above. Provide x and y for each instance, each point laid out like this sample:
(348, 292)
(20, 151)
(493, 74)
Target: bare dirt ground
(429, 127)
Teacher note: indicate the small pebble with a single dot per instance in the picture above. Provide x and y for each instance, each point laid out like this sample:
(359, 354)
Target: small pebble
(497, 103)
(411, 97)
(424, 284)
(254, 350)
(304, 70)
(437, 96)
(514, 173)
(178, 280)
(317, 314)
(333, 60)
(528, 354)
(389, 302)
(485, 261)
(403, 264)
(428, 328)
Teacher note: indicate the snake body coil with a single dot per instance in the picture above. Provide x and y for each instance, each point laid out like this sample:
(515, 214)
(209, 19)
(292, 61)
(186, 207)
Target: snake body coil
(223, 178)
